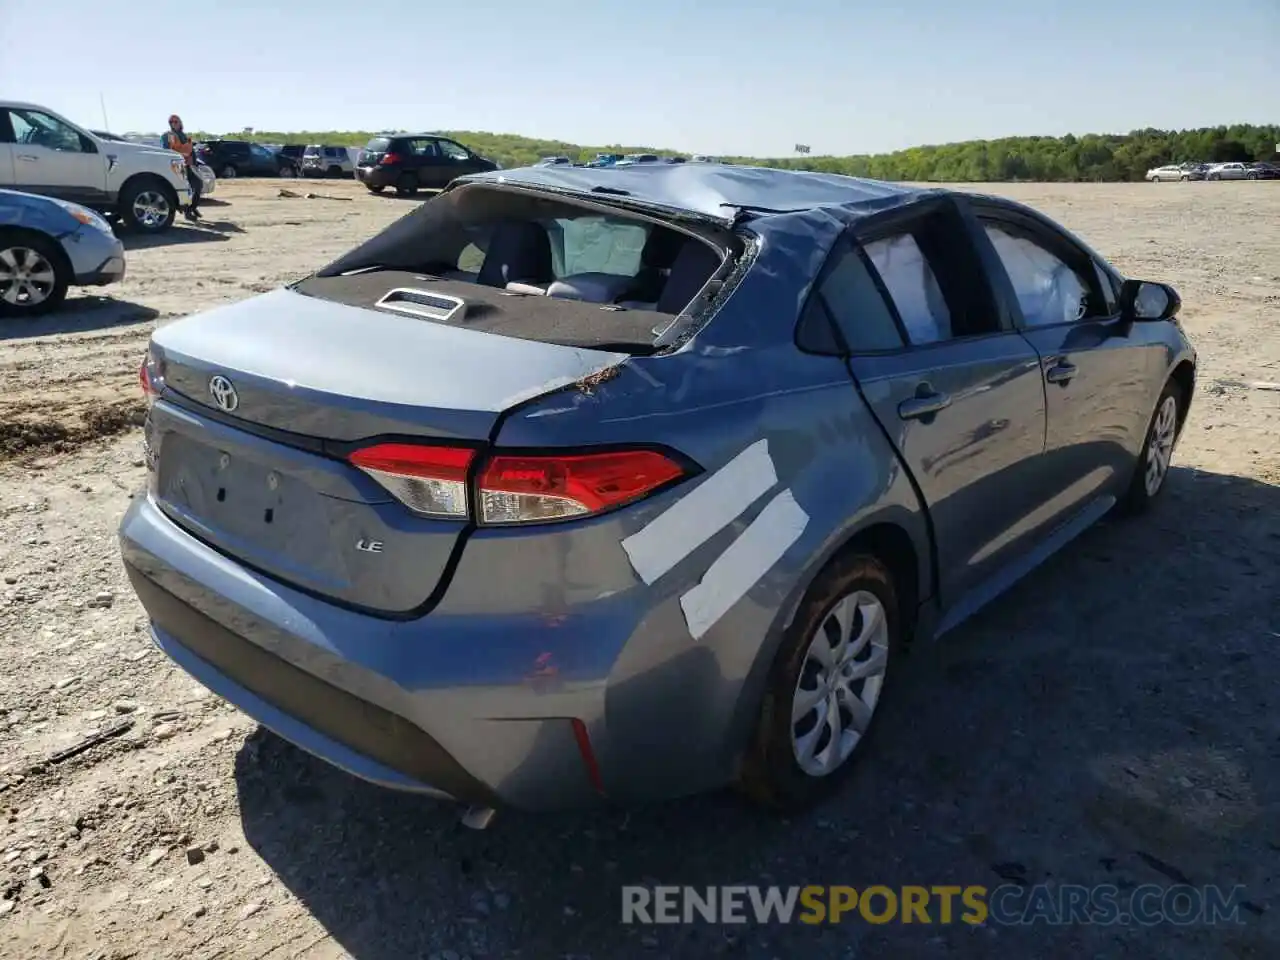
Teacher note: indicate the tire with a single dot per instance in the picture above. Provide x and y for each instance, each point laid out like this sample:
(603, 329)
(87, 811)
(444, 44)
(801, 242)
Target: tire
(375, 189)
(1150, 476)
(287, 172)
(1184, 178)
(148, 205)
(407, 185)
(1155, 179)
(1251, 176)
(859, 591)
(335, 172)
(229, 172)
(34, 274)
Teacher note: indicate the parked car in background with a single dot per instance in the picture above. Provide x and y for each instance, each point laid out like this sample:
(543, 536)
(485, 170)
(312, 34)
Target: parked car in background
(1176, 171)
(703, 158)
(579, 486)
(242, 158)
(48, 245)
(322, 161)
(1264, 170)
(634, 158)
(408, 163)
(44, 153)
(605, 160)
(293, 152)
(1228, 171)
(554, 162)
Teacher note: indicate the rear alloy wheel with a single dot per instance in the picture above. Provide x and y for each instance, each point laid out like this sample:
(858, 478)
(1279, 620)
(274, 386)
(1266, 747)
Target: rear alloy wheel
(407, 185)
(1155, 179)
(288, 172)
(827, 681)
(229, 172)
(1252, 176)
(375, 188)
(1152, 468)
(33, 277)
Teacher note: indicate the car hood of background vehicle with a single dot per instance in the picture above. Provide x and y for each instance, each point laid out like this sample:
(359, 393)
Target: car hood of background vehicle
(312, 348)
(133, 149)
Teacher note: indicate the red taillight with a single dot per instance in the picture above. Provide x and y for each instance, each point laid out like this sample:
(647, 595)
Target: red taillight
(389, 158)
(520, 489)
(431, 481)
(150, 377)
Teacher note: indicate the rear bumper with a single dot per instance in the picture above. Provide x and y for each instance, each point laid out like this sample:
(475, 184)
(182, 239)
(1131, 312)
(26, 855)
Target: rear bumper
(392, 703)
(376, 176)
(353, 734)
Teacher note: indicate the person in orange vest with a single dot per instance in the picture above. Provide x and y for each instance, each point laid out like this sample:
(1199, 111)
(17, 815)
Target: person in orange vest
(175, 139)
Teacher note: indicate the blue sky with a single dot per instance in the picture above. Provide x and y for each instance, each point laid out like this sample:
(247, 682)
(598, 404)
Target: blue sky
(715, 76)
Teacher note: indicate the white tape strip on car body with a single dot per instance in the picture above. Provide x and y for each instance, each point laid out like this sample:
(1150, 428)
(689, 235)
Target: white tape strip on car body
(701, 513)
(740, 567)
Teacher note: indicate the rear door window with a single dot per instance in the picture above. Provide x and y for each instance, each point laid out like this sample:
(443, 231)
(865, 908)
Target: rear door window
(377, 145)
(913, 286)
(424, 148)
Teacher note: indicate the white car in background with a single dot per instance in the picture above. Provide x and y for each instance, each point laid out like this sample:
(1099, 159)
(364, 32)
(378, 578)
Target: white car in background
(46, 154)
(1175, 171)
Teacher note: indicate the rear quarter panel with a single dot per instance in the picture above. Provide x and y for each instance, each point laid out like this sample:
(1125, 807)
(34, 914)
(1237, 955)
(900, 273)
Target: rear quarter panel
(685, 676)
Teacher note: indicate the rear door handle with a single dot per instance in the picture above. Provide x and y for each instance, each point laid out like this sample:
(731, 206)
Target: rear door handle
(1061, 372)
(925, 403)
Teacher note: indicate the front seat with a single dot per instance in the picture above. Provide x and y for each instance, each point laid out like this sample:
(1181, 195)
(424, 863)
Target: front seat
(519, 252)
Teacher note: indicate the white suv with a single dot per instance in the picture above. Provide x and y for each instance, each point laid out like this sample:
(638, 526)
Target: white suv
(41, 152)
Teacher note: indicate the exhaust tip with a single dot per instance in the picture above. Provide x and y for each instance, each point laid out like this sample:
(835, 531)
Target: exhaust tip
(478, 818)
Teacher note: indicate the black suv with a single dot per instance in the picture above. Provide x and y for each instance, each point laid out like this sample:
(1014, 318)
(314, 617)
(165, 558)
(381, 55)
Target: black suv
(410, 162)
(240, 158)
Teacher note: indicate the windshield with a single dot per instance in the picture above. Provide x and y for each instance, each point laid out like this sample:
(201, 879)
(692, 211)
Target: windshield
(311, 152)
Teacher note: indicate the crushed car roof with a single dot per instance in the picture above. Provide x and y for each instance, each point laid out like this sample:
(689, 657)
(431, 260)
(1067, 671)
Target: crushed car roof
(713, 190)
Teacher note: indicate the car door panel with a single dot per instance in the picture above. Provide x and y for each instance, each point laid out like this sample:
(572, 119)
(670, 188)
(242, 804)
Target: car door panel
(7, 178)
(968, 420)
(955, 389)
(1096, 368)
(67, 166)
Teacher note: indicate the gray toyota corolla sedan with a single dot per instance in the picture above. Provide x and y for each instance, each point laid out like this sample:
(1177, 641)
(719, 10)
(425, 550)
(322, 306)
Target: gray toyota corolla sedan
(582, 485)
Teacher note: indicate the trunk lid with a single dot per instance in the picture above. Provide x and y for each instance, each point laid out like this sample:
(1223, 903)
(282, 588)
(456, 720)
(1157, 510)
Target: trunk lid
(259, 472)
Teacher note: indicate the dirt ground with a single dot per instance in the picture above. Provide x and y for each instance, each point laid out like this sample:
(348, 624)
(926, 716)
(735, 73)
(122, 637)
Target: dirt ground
(1112, 720)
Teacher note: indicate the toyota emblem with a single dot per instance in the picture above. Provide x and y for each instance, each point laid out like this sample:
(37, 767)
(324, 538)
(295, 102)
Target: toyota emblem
(223, 393)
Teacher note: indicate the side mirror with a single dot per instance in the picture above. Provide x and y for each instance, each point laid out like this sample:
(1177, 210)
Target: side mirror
(1146, 300)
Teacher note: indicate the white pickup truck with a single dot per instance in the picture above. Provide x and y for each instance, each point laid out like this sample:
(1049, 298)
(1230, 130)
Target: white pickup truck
(42, 152)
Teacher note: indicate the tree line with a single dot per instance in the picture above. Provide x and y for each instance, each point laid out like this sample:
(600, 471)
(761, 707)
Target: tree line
(1090, 157)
